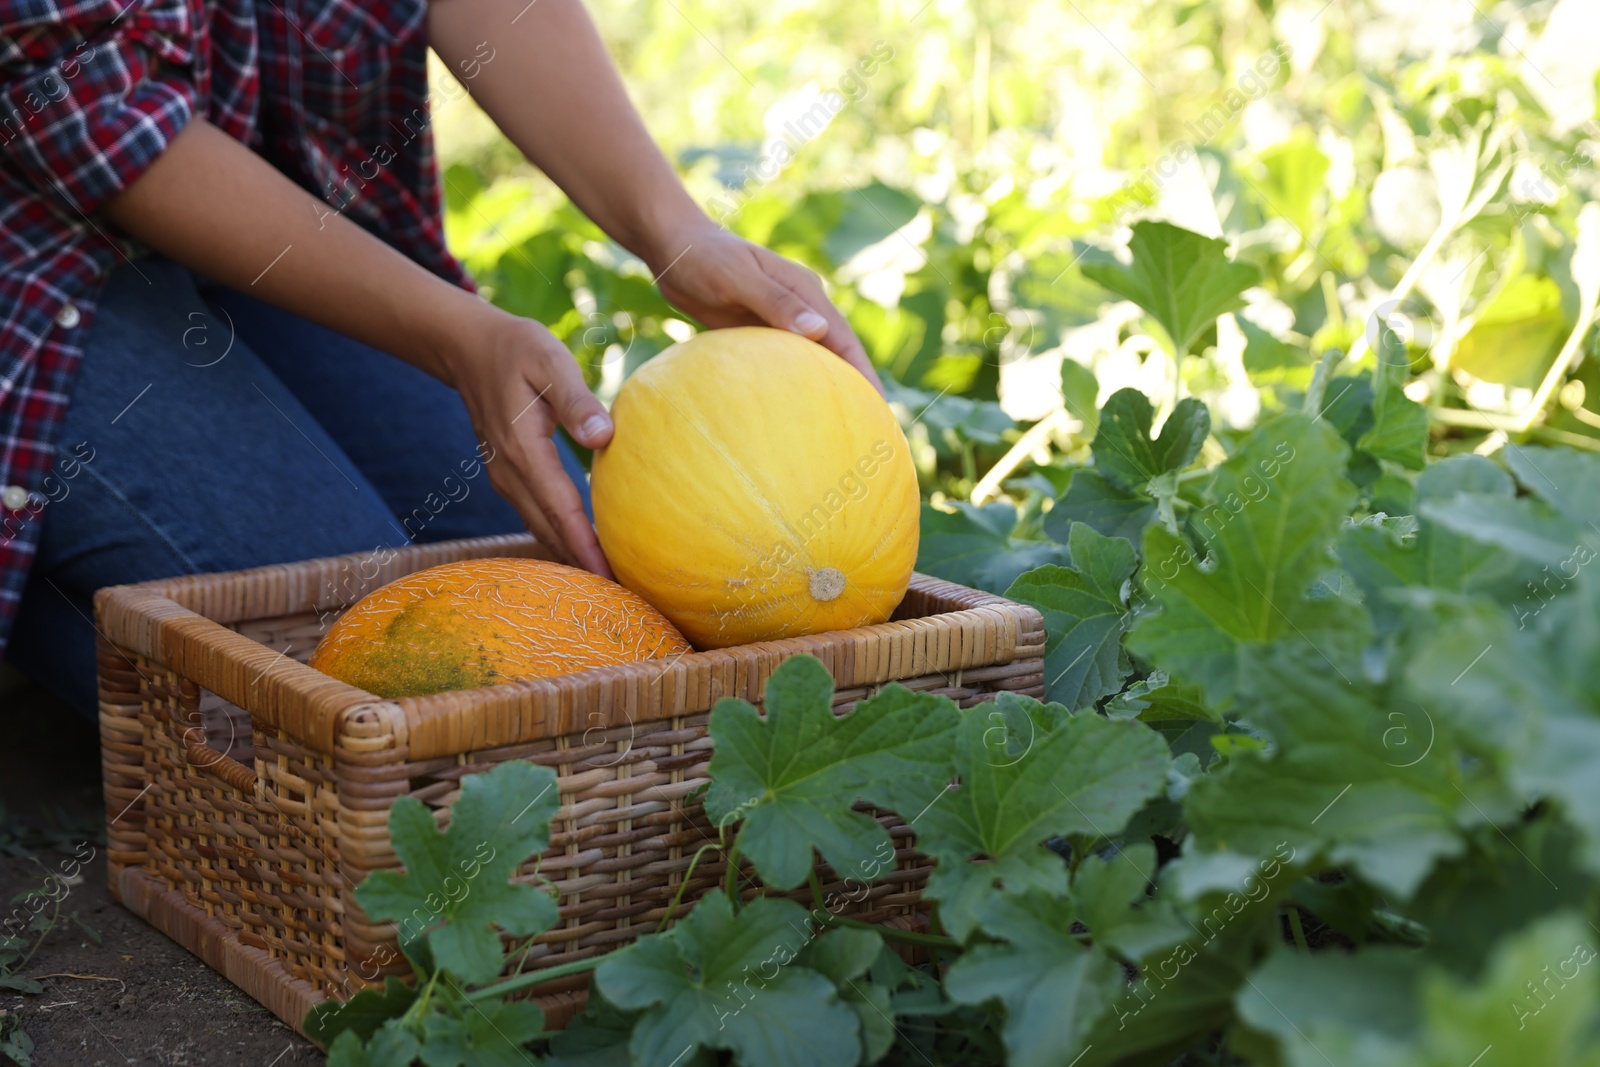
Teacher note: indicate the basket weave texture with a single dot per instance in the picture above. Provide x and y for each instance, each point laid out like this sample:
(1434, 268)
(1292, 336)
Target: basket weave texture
(248, 794)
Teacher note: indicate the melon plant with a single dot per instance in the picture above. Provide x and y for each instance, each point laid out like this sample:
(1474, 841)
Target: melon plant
(1324, 798)
(1311, 782)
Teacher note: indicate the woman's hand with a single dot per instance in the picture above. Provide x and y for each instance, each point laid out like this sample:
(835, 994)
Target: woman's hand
(724, 280)
(519, 383)
(585, 134)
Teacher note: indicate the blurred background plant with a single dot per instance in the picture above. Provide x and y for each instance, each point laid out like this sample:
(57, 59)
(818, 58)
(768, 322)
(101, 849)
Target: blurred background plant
(964, 175)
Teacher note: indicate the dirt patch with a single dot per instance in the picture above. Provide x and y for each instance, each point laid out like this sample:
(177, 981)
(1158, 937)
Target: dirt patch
(157, 1004)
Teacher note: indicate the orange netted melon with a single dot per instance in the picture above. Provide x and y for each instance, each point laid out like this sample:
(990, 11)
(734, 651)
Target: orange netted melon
(489, 621)
(756, 487)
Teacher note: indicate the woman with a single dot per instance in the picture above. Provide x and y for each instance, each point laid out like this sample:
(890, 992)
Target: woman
(219, 224)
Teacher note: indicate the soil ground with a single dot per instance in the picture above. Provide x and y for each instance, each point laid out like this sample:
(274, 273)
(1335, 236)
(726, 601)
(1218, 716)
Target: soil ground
(135, 998)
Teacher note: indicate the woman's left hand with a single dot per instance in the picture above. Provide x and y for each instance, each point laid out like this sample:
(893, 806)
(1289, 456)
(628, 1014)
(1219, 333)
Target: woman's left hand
(723, 280)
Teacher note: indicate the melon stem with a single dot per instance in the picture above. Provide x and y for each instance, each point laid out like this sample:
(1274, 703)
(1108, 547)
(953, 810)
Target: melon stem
(827, 583)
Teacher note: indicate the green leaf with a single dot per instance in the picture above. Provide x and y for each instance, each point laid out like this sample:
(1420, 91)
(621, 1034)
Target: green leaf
(596, 1037)
(1567, 480)
(1514, 340)
(1108, 896)
(1053, 989)
(456, 888)
(1499, 1013)
(849, 221)
(794, 775)
(870, 214)
(1277, 504)
(1176, 1000)
(1094, 501)
(905, 341)
(1374, 993)
(1294, 173)
(1348, 408)
(527, 278)
(1388, 563)
(717, 980)
(1265, 352)
(15, 1042)
(1399, 430)
(1334, 787)
(1537, 1002)
(844, 957)
(364, 1013)
(1053, 285)
(1525, 527)
(1125, 452)
(1085, 613)
(1182, 279)
(1509, 879)
(1475, 664)
(488, 1033)
(389, 1046)
(599, 1037)
(1159, 699)
(975, 545)
(1079, 388)
(1029, 771)
(950, 420)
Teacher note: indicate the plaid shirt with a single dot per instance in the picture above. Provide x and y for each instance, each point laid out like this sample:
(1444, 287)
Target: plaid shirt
(334, 93)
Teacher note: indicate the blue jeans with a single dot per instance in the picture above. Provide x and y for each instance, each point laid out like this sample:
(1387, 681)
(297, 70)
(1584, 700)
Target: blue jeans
(208, 432)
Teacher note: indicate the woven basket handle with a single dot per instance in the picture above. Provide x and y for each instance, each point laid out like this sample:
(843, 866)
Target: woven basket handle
(201, 757)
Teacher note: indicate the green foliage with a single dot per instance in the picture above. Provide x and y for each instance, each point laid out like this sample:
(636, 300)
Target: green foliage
(1181, 279)
(390, 1045)
(1086, 613)
(1331, 789)
(851, 221)
(1052, 987)
(1399, 431)
(986, 546)
(1514, 337)
(1126, 453)
(362, 1014)
(844, 957)
(1391, 564)
(454, 891)
(451, 905)
(1093, 500)
(1271, 511)
(491, 1035)
(1029, 771)
(1254, 762)
(965, 216)
(793, 775)
(1536, 1002)
(690, 985)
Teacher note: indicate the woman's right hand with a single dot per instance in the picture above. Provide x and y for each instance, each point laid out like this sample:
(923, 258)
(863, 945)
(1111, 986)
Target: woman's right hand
(519, 384)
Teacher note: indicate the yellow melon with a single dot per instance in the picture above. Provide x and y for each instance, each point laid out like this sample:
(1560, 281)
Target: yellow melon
(757, 487)
(484, 622)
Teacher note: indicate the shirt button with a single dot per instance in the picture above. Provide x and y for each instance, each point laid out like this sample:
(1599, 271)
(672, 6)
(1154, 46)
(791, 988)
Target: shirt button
(14, 497)
(68, 316)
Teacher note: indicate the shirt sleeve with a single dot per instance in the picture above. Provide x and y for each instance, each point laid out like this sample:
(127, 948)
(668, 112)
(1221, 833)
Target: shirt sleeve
(91, 93)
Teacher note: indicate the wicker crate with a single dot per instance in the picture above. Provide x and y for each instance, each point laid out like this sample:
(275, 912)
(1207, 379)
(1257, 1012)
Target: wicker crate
(247, 794)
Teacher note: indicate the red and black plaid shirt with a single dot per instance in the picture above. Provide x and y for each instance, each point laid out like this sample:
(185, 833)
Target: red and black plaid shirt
(334, 93)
